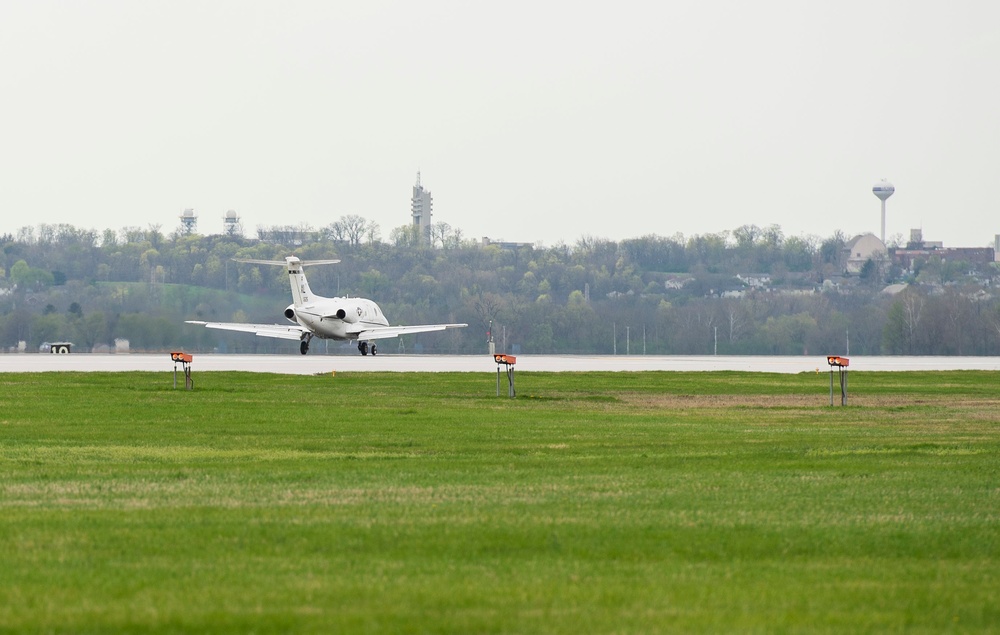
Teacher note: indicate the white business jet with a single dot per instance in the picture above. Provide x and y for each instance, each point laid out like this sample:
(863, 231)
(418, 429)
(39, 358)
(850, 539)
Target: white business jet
(327, 318)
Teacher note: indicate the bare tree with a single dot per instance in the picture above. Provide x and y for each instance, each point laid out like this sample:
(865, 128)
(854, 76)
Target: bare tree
(354, 228)
(440, 233)
(373, 233)
(487, 306)
(737, 319)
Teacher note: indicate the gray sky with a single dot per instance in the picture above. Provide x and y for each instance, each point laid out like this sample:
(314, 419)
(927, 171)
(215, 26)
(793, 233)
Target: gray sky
(530, 121)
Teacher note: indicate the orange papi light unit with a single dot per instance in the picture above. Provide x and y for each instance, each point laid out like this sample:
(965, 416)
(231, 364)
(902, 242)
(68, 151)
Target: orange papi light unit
(185, 360)
(841, 364)
(507, 361)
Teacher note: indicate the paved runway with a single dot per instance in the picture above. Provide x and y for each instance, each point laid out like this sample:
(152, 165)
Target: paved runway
(322, 364)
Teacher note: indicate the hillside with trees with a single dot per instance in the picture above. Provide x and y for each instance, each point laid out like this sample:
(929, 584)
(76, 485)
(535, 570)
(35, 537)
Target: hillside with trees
(748, 291)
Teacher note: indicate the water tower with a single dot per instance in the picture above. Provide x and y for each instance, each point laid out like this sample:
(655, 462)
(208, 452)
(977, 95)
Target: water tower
(883, 190)
(189, 221)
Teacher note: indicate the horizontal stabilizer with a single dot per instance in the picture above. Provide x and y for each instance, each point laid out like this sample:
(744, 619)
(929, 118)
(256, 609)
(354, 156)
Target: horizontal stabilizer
(282, 263)
(309, 263)
(254, 261)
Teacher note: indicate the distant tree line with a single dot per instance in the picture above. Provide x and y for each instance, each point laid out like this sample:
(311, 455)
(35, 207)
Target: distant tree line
(748, 291)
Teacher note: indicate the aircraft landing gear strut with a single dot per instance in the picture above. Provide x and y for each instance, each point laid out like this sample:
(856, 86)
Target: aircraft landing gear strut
(364, 347)
(304, 344)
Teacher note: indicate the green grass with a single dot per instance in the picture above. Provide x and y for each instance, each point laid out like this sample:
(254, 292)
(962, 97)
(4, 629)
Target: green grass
(594, 502)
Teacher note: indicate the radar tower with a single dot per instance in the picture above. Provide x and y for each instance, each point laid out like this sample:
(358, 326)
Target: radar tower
(189, 221)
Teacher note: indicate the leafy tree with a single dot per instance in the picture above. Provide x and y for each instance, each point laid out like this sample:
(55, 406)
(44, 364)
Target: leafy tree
(788, 334)
(869, 272)
(831, 251)
(26, 277)
(405, 236)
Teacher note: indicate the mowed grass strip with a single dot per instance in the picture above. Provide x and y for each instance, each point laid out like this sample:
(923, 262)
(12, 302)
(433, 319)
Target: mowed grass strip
(594, 502)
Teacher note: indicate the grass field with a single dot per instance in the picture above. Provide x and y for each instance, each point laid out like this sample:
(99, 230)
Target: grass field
(594, 502)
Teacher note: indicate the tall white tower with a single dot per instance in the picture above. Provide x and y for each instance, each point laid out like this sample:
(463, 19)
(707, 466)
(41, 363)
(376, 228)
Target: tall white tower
(883, 190)
(420, 209)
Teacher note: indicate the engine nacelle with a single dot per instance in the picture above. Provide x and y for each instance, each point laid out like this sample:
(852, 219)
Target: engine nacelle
(290, 313)
(348, 315)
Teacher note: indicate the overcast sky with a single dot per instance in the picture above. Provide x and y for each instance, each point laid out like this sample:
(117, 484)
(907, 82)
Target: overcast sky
(540, 121)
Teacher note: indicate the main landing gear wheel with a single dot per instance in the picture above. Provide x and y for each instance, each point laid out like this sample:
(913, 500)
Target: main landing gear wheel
(363, 347)
(304, 345)
(374, 350)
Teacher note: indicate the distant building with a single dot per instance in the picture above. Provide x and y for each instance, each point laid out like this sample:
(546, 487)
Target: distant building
(755, 280)
(920, 250)
(504, 244)
(420, 208)
(917, 241)
(862, 249)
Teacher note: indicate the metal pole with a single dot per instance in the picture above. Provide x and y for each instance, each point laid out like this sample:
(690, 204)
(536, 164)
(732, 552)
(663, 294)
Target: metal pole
(843, 386)
(831, 385)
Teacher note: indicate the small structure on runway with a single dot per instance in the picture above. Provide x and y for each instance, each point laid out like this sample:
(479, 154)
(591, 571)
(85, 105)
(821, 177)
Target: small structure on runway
(56, 348)
(502, 359)
(841, 364)
(185, 359)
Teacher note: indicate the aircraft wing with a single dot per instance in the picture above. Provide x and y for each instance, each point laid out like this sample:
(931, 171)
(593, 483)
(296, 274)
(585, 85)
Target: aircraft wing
(285, 332)
(385, 332)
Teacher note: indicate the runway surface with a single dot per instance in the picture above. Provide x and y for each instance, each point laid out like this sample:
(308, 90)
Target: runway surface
(322, 364)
